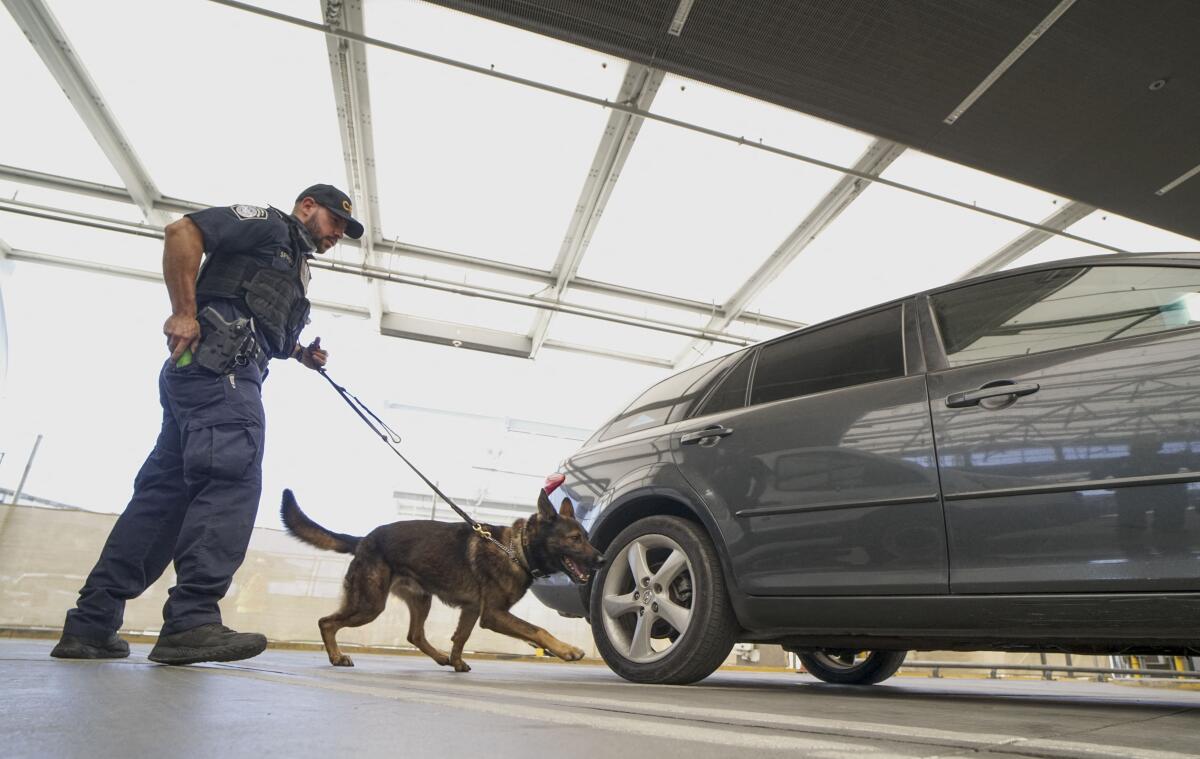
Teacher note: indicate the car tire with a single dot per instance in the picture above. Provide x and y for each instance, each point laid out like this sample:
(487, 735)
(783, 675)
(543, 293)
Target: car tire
(662, 573)
(852, 668)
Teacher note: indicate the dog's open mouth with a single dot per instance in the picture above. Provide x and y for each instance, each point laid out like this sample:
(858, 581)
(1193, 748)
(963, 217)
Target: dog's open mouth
(575, 572)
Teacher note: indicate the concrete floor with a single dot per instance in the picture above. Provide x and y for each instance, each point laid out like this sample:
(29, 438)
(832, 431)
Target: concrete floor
(293, 704)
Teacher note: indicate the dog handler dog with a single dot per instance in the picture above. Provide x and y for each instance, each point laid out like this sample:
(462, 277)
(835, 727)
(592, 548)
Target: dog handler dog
(195, 498)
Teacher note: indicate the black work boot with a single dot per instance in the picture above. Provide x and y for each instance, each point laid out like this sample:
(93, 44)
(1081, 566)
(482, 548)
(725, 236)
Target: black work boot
(77, 647)
(211, 642)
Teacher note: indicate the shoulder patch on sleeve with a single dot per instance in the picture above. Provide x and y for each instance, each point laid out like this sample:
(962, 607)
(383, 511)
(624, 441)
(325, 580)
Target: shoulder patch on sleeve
(245, 212)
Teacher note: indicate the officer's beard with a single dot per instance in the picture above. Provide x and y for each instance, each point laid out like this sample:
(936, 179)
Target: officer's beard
(321, 244)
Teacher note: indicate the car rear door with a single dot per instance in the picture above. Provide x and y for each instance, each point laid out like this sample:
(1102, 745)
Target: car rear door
(1066, 412)
(815, 457)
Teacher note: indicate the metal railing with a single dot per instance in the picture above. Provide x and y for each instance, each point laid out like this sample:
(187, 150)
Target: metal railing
(1048, 670)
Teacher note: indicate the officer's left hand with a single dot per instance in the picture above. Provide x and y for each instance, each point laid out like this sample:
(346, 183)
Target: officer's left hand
(314, 356)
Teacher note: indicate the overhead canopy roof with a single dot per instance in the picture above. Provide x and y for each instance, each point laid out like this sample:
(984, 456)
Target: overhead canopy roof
(1094, 101)
(522, 193)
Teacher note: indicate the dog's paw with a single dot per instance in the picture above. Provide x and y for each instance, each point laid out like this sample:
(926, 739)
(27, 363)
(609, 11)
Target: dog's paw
(443, 660)
(570, 653)
(461, 666)
(342, 661)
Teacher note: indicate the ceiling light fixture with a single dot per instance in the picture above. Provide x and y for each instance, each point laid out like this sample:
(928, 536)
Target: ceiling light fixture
(1008, 61)
(1177, 181)
(681, 14)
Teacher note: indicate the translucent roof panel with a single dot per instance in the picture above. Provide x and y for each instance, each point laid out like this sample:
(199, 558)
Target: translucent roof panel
(42, 131)
(622, 338)
(695, 216)
(71, 201)
(1056, 249)
(758, 121)
(1131, 235)
(630, 306)
(446, 272)
(462, 37)
(1111, 229)
(336, 287)
(56, 238)
(472, 164)
(429, 303)
(887, 244)
(255, 126)
(979, 188)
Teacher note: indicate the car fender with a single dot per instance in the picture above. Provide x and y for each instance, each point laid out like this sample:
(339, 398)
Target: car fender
(658, 489)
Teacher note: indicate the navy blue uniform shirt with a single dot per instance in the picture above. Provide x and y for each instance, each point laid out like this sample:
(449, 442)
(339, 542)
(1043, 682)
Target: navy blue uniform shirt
(251, 230)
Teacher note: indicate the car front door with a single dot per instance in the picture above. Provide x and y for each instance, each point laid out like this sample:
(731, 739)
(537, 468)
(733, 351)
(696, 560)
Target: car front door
(1066, 413)
(815, 457)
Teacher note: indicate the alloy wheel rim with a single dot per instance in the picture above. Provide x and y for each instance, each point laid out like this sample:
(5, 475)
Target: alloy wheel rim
(648, 590)
(844, 661)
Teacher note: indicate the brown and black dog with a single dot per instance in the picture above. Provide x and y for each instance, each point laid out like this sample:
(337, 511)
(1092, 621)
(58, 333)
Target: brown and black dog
(419, 559)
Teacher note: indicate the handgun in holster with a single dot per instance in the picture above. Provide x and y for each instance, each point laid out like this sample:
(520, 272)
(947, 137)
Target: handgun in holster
(223, 344)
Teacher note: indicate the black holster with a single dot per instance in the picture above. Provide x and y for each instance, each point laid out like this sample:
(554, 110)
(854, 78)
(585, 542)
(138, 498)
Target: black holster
(223, 344)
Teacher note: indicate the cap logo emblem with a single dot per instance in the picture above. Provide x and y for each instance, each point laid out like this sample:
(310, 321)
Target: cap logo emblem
(346, 206)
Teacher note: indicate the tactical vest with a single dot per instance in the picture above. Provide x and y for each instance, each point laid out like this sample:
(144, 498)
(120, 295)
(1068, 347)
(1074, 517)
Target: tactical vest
(271, 285)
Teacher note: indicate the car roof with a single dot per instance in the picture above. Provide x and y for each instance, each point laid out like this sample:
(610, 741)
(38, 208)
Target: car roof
(1186, 258)
(1106, 259)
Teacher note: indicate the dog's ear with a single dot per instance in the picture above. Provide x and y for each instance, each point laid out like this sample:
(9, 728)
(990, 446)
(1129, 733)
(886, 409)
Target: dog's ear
(567, 509)
(545, 508)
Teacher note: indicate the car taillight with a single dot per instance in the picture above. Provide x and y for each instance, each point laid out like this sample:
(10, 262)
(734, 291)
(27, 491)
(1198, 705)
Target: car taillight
(553, 481)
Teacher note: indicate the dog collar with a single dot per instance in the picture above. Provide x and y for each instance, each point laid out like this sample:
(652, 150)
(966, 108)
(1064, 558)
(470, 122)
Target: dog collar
(521, 551)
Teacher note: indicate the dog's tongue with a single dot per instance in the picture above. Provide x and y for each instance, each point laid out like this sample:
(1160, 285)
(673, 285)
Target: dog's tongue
(552, 482)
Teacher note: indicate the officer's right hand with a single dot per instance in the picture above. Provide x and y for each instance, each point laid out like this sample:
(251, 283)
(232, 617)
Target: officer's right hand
(183, 333)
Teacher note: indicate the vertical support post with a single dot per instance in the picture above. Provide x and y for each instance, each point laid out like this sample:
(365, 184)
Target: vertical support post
(28, 466)
(20, 485)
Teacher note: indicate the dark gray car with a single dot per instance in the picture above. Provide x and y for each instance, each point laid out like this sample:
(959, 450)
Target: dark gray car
(1006, 463)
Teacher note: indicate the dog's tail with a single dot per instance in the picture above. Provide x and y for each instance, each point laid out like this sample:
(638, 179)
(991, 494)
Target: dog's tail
(302, 528)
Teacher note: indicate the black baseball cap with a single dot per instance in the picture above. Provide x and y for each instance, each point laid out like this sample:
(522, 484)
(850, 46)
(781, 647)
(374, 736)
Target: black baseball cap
(338, 203)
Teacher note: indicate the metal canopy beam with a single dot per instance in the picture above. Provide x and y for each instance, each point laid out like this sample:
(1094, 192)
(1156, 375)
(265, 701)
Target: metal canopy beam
(390, 275)
(1071, 212)
(486, 340)
(93, 267)
(51, 43)
(639, 87)
(874, 160)
(456, 335)
(542, 276)
(348, 66)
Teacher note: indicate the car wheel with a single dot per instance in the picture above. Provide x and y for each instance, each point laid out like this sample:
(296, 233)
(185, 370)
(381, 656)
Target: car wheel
(660, 611)
(852, 667)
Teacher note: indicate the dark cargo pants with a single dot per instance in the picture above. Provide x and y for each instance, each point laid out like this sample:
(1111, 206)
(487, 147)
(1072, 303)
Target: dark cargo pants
(194, 502)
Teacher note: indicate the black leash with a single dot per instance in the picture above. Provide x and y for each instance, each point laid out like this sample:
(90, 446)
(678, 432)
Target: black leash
(391, 439)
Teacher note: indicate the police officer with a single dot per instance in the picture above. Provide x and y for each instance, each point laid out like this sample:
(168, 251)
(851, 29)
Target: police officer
(196, 497)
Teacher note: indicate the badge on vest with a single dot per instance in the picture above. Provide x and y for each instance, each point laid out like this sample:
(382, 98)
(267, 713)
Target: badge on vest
(245, 212)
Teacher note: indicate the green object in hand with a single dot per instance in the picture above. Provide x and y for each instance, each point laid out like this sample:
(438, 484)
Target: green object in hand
(185, 359)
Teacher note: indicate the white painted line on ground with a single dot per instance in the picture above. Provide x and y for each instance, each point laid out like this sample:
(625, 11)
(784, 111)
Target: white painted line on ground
(423, 690)
(819, 749)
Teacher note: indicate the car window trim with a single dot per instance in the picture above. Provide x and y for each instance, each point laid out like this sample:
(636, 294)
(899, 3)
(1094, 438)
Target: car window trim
(914, 356)
(935, 345)
(751, 355)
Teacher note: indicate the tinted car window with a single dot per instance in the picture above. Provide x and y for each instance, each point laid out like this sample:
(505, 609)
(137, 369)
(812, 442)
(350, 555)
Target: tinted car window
(731, 393)
(653, 407)
(863, 349)
(1063, 308)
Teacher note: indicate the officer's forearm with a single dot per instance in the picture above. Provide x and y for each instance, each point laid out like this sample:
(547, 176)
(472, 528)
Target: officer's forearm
(182, 252)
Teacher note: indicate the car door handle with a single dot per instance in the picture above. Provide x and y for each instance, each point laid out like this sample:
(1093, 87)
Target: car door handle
(713, 431)
(991, 390)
